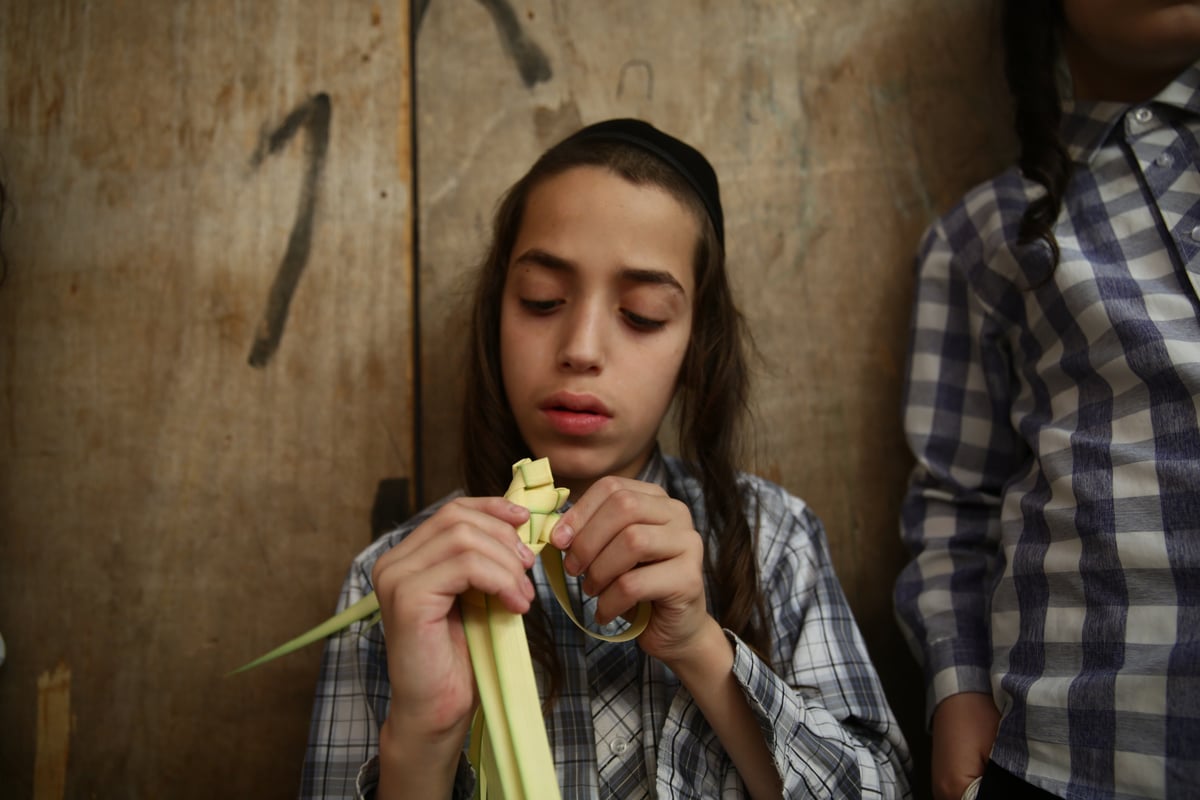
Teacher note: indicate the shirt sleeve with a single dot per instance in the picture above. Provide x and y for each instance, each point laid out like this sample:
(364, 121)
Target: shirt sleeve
(344, 732)
(820, 706)
(957, 422)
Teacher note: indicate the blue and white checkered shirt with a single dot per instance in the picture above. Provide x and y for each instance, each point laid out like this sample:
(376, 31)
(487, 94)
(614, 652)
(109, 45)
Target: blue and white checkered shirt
(1054, 510)
(623, 726)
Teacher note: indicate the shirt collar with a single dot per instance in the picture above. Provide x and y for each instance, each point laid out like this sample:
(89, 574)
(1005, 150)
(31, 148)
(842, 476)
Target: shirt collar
(1087, 125)
(655, 469)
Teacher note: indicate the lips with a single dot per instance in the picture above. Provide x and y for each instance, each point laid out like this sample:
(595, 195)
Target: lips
(576, 414)
(577, 403)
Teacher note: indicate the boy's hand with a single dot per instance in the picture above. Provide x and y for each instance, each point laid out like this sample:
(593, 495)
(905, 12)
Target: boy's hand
(964, 730)
(634, 543)
(469, 543)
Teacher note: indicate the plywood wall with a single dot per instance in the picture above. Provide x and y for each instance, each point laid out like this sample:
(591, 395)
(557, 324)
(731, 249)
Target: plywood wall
(839, 130)
(205, 373)
(175, 448)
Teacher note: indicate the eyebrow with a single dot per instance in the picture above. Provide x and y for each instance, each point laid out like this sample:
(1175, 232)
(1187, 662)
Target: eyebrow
(555, 263)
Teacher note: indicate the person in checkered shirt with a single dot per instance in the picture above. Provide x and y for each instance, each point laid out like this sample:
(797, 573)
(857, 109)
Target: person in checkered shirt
(1053, 512)
(604, 300)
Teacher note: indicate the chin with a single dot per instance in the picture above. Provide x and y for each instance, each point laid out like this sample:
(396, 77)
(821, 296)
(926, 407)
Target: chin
(574, 464)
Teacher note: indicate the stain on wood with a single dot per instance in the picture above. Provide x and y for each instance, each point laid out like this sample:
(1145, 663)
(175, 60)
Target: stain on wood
(53, 733)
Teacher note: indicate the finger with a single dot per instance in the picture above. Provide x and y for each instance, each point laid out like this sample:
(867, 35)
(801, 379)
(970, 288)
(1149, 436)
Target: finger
(661, 582)
(492, 516)
(578, 515)
(627, 529)
(622, 508)
(474, 571)
(633, 545)
(410, 566)
(426, 592)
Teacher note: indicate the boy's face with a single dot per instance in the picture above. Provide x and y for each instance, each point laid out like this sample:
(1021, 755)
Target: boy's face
(1127, 50)
(595, 319)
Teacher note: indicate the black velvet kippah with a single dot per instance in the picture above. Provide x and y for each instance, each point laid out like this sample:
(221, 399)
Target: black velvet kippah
(683, 158)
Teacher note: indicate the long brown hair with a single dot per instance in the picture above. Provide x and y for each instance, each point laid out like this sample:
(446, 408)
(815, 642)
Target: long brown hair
(712, 391)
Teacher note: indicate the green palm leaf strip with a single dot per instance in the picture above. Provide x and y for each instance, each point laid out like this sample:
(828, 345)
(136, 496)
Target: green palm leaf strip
(361, 610)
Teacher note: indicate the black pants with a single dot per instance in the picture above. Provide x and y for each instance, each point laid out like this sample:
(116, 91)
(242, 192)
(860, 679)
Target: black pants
(1000, 784)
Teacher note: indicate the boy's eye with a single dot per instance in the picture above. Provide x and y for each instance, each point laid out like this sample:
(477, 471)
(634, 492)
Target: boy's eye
(638, 322)
(539, 306)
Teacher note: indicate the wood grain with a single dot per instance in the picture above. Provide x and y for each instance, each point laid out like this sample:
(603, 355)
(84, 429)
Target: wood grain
(168, 509)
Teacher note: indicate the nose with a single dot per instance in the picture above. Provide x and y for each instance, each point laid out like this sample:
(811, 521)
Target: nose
(583, 337)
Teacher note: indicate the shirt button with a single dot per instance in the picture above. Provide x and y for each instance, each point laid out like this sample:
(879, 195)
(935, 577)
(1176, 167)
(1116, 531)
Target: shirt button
(1164, 159)
(1143, 115)
(618, 746)
(1196, 233)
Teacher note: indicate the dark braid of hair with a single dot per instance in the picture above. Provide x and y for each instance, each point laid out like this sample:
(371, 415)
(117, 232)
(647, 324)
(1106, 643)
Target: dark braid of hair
(710, 426)
(1031, 31)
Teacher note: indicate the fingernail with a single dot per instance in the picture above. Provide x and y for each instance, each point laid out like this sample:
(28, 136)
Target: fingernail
(518, 510)
(570, 564)
(525, 554)
(562, 536)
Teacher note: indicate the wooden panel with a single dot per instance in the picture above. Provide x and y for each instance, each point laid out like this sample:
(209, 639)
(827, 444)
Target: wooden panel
(205, 357)
(839, 131)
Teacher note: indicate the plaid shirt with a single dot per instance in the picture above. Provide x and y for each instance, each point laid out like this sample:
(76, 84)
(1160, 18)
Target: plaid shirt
(623, 726)
(1054, 509)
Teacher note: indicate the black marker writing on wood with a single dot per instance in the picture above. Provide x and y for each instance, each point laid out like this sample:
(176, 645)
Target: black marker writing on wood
(531, 62)
(314, 117)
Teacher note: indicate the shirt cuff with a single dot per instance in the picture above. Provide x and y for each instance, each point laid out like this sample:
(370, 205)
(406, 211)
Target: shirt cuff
(761, 686)
(464, 779)
(952, 680)
(367, 782)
